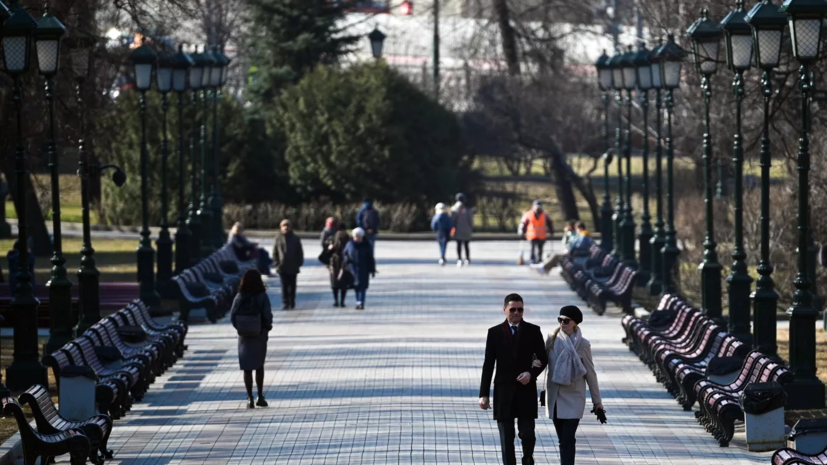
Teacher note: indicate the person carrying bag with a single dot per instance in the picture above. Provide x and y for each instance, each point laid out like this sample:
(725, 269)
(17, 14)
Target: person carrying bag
(252, 318)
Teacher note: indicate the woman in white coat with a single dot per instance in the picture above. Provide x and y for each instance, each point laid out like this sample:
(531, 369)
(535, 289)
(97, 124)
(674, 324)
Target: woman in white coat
(570, 368)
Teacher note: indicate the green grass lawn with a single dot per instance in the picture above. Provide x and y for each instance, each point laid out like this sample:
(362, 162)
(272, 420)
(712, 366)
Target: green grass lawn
(115, 258)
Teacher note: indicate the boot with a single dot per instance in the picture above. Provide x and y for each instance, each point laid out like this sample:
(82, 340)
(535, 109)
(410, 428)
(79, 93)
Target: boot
(528, 460)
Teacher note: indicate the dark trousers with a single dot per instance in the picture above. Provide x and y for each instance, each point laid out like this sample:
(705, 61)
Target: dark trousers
(442, 246)
(566, 430)
(526, 427)
(288, 288)
(467, 250)
(537, 244)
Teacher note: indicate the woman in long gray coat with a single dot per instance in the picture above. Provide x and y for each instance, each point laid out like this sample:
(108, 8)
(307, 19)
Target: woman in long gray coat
(252, 299)
(570, 368)
(463, 219)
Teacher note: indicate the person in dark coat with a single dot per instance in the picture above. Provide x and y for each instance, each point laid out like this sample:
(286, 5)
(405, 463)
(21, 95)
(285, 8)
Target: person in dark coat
(288, 257)
(358, 259)
(367, 218)
(252, 299)
(513, 346)
(339, 282)
(328, 232)
(442, 224)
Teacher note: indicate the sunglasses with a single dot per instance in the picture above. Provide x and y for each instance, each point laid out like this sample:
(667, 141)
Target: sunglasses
(563, 321)
(516, 309)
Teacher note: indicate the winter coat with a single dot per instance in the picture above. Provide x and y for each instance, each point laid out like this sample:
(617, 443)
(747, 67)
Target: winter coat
(571, 399)
(358, 258)
(327, 234)
(463, 218)
(442, 224)
(339, 241)
(513, 355)
(368, 218)
(253, 350)
(288, 255)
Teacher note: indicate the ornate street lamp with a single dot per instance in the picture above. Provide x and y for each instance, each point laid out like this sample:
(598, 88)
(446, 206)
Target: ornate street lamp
(217, 78)
(739, 57)
(206, 62)
(670, 57)
(706, 38)
(604, 81)
(4, 391)
(25, 369)
(181, 63)
(768, 32)
(617, 85)
(655, 284)
(806, 391)
(88, 274)
(47, 39)
(644, 83)
(628, 224)
(143, 60)
(163, 82)
(377, 40)
(194, 222)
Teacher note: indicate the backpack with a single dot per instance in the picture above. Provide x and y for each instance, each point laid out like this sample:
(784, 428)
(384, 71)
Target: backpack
(248, 318)
(367, 220)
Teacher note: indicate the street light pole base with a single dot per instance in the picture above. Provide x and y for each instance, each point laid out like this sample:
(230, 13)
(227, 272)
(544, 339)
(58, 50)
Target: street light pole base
(606, 227)
(23, 375)
(164, 277)
(711, 290)
(645, 257)
(60, 311)
(805, 394)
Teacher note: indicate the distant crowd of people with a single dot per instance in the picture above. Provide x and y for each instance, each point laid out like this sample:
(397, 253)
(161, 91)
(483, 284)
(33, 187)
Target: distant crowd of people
(455, 223)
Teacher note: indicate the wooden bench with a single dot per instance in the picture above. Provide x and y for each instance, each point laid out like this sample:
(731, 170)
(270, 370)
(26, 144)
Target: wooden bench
(131, 374)
(719, 407)
(787, 456)
(104, 333)
(619, 292)
(47, 446)
(49, 421)
(111, 395)
(169, 339)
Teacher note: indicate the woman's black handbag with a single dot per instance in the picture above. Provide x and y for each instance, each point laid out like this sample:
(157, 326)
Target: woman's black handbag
(324, 257)
(345, 279)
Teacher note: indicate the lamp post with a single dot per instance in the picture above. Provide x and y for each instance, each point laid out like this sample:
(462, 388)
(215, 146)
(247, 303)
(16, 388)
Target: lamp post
(193, 221)
(806, 390)
(767, 32)
(25, 369)
(206, 62)
(670, 58)
(739, 56)
(181, 63)
(655, 284)
(163, 82)
(604, 81)
(377, 40)
(217, 74)
(628, 223)
(644, 83)
(47, 38)
(88, 274)
(143, 60)
(617, 85)
(706, 36)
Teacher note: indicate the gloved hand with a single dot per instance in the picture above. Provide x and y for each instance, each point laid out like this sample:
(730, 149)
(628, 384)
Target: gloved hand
(601, 415)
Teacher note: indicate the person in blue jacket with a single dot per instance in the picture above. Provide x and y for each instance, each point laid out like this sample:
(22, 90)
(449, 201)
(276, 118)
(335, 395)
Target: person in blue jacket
(442, 224)
(358, 260)
(368, 219)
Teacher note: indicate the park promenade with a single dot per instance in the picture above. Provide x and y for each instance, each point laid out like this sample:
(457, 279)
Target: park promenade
(397, 383)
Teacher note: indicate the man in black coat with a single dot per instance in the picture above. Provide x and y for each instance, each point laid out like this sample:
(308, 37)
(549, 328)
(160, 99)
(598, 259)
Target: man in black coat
(288, 257)
(513, 346)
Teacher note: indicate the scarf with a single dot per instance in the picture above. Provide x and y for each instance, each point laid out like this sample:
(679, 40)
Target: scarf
(568, 366)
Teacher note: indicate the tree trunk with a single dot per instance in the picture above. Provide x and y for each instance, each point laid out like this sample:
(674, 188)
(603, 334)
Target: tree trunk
(508, 37)
(37, 224)
(563, 186)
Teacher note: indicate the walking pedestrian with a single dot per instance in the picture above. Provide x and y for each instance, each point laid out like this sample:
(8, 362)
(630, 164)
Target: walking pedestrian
(512, 346)
(570, 369)
(252, 318)
(368, 219)
(536, 227)
(358, 260)
(340, 280)
(288, 257)
(328, 232)
(442, 224)
(463, 218)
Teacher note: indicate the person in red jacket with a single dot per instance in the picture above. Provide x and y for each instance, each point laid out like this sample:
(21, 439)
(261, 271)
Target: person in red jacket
(536, 226)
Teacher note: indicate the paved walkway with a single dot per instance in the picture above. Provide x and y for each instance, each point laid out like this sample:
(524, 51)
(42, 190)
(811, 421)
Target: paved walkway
(398, 382)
